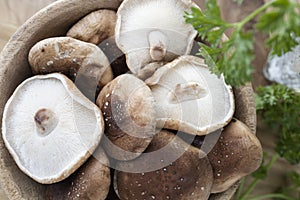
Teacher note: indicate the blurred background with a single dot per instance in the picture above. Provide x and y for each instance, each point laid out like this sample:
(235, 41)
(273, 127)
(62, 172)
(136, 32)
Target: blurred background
(13, 13)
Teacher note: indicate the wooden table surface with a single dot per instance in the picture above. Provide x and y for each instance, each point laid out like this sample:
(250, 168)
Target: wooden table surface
(15, 12)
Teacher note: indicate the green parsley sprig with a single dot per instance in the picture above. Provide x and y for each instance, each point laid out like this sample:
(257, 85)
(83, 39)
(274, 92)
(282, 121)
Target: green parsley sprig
(280, 108)
(280, 19)
(293, 189)
(287, 192)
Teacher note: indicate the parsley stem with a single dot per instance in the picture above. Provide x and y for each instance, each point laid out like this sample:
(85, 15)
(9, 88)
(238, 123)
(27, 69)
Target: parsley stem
(240, 24)
(240, 190)
(256, 180)
(249, 189)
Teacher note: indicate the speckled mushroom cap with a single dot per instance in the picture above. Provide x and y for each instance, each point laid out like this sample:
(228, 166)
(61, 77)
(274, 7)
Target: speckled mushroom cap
(237, 153)
(130, 119)
(189, 177)
(153, 30)
(50, 128)
(71, 57)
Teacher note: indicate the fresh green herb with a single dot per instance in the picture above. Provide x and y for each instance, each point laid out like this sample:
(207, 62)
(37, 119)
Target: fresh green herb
(260, 174)
(233, 57)
(290, 192)
(282, 24)
(280, 108)
(293, 189)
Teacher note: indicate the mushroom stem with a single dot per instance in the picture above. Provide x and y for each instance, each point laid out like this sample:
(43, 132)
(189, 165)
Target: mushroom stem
(158, 45)
(46, 121)
(148, 70)
(186, 92)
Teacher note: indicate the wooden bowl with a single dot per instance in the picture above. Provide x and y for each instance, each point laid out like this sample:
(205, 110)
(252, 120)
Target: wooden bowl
(51, 21)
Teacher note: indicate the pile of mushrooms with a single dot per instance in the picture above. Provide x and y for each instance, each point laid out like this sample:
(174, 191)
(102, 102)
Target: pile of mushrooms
(89, 129)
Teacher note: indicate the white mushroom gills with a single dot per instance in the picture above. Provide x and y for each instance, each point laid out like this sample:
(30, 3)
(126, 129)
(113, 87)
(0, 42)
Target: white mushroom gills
(46, 121)
(153, 30)
(190, 98)
(50, 128)
(158, 45)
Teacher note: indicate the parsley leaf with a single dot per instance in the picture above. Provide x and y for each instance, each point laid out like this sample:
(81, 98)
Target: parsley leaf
(293, 188)
(233, 59)
(209, 25)
(282, 24)
(236, 62)
(280, 108)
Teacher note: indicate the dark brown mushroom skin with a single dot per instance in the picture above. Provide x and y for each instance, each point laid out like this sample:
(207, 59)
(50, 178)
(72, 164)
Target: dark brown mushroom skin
(188, 177)
(237, 153)
(91, 181)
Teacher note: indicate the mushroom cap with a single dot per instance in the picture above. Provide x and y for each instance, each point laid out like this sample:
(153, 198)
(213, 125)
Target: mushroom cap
(237, 153)
(91, 181)
(190, 98)
(49, 146)
(95, 27)
(68, 56)
(153, 23)
(129, 114)
(188, 177)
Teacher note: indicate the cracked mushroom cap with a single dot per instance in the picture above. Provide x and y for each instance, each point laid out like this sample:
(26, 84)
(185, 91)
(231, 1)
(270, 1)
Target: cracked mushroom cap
(129, 114)
(153, 30)
(188, 177)
(50, 128)
(91, 181)
(190, 98)
(237, 153)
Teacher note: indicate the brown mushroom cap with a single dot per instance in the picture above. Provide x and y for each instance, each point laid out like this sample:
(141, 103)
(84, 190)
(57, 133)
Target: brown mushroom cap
(237, 153)
(95, 27)
(68, 55)
(188, 177)
(91, 181)
(128, 109)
